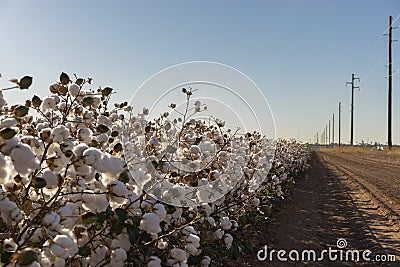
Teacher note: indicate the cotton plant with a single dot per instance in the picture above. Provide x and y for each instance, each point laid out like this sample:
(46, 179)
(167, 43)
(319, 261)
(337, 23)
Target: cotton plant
(84, 182)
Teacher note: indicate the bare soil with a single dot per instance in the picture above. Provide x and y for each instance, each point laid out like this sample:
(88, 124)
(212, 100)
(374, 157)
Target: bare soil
(355, 196)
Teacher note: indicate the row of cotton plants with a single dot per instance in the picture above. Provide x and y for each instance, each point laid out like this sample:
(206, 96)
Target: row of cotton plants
(86, 184)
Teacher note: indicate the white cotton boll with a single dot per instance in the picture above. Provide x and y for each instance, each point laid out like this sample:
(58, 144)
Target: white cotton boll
(255, 202)
(150, 223)
(206, 261)
(74, 90)
(94, 202)
(193, 239)
(154, 262)
(8, 145)
(159, 209)
(104, 120)
(177, 191)
(122, 241)
(187, 230)
(102, 138)
(91, 156)
(118, 257)
(98, 255)
(225, 223)
(51, 179)
(48, 103)
(195, 149)
(219, 233)
(59, 262)
(59, 251)
(147, 204)
(109, 164)
(8, 122)
(191, 249)
(23, 159)
(60, 133)
(211, 221)
(178, 254)
(84, 135)
(228, 239)
(52, 220)
(119, 192)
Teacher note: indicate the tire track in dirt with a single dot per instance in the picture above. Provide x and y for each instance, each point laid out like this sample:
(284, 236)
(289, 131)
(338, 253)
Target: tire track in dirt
(326, 205)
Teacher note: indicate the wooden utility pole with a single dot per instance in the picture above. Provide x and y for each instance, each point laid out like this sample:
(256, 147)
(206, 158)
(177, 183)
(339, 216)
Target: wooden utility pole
(326, 134)
(352, 107)
(390, 86)
(340, 110)
(329, 133)
(333, 129)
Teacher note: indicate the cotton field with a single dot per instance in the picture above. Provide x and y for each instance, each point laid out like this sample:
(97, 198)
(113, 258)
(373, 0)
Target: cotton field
(85, 182)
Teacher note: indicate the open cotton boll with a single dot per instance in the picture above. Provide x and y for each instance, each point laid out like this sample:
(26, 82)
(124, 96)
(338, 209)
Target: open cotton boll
(219, 233)
(8, 122)
(118, 257)
(48, 103)
(52, 220)
(60, 133)
(7, 208)
(225, 223)
(74, 90)
(23, 159)
(154, 262)
(118, 192)
(59, 251)
(206, 261)
(228, 239)
(109, 164)
(9, 244)
(122, 241)
(191, 249)
(6, 146)
(178, 255)
(159, 209)
(187, 230)
(150, 223)
(255, 202)
(84, 135)
(79, 149)
(98, 255)
(94, 202)
(50, 178)
(91, 156)
(193, 239)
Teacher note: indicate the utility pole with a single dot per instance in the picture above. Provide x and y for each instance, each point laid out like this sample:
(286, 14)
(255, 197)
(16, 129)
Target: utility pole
(326, 134)
(340, 110)
(390, 86)
(317, 139)
(329, 133)
(333, 129)
(352, 106)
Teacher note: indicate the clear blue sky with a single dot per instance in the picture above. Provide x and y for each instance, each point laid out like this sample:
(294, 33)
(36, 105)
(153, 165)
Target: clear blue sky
(300, 53)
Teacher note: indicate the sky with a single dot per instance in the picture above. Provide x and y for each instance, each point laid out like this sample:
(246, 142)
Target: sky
(299, 53)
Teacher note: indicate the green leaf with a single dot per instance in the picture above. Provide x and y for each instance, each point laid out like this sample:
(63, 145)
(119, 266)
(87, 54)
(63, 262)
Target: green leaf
(36, 101)
(21, 111)
(101, 128)
(124, 177)
(7, 133)
(106, 91)
(89, 218)
(118, 147)
(122, 214)
(64, 78)
(114, 133)
(38, 182)
(6, 256)
(26, 257)
(25, 82)
(84, 251)
(87, 101)
(79, 81)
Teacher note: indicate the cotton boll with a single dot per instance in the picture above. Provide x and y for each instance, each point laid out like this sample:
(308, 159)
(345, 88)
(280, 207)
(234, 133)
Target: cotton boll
(193, 239)
(9, 244)
(161, 244)
(52, 220)
(48, 103)
(121, 241)
(109, 164)
(177, 213)
(59, 251)
(219, 233)
(159, 209)
(79, 149)
(91, 156)
(187, 230)
(8, 123)
(154, 262)
(102, 138)
(85, 135)
(74, 90)
(98, 255)
(50, 178)
(118, 257)
(59, 262)
(150, 223)
(191, 249)
(6, 146)
(206, 261)
(23, 159)
(178, 255)
(255, 202)
(118, 191)
(94, 202)
(60, 133)
(225, 223)
(228, 239)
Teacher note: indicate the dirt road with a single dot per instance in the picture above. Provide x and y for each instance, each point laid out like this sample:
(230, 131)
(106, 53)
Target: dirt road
(350, 196)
